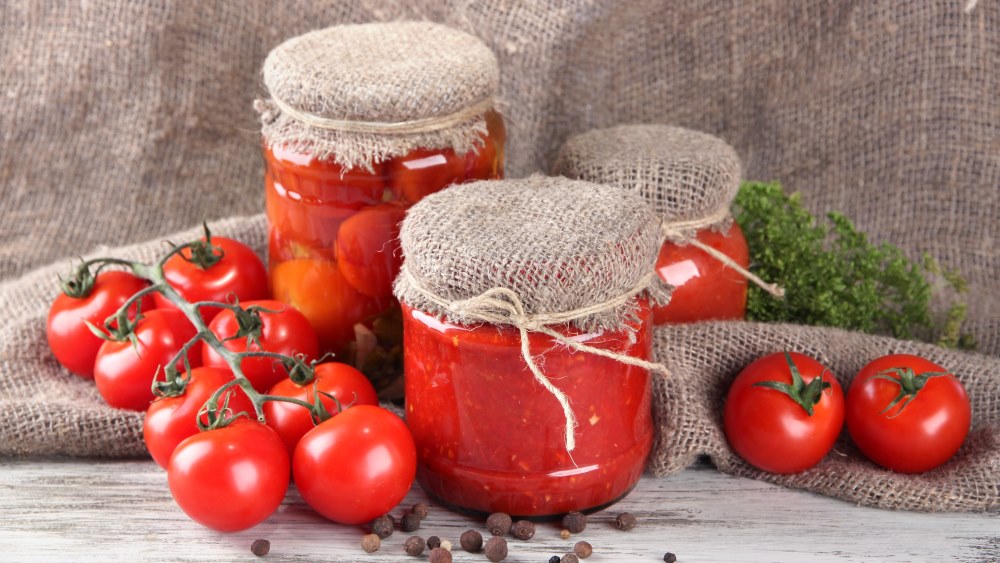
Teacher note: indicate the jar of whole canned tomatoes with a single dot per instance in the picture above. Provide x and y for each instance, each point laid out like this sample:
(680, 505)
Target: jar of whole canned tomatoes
(690, 178)
(362, 122)
(527, 326)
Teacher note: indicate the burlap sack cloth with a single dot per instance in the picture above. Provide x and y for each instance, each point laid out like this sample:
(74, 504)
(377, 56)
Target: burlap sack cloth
(125, 121)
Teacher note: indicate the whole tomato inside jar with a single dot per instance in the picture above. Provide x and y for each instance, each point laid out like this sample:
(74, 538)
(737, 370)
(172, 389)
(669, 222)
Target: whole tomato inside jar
(690, 179)
(527, 330)
(363, 122)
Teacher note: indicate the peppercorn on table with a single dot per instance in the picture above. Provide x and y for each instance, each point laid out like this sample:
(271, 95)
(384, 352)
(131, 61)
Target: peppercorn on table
(82, 510)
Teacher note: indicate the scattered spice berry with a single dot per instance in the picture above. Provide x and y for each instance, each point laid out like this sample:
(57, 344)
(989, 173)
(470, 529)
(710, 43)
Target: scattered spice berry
(414, 545)
(260, 548)
(382, 526)
(669, 557)
(496, 549)
(523, 530)
(583, 549)
(446, 545)
(569, 558)
(575, 522)
(554, 559)
(471, 541)
(433, 542)
(564, 534)
(420, 509)
(410, 523)
(498, 523)
(625, 521)
(370, 543)
(439, 555)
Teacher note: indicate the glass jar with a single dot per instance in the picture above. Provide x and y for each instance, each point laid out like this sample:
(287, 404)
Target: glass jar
(490, 438)
(704, 287)
(333, 232)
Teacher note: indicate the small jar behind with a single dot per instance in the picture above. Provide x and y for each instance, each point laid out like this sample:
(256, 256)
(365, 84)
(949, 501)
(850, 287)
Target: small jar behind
(690, 179)
(514, 295)
(363, 122)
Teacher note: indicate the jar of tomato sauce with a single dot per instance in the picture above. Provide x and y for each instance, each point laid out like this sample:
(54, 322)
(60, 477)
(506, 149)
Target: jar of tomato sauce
(363, 122)
(527, 327)
(690, 178)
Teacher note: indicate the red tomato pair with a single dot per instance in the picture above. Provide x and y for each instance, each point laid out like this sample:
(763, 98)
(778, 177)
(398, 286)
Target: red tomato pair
(785, 411)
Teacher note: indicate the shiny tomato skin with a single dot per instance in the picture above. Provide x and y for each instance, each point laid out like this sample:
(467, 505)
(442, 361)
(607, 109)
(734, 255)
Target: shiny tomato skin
(368, 251)
(240, 274)
(169, 420)
(124, 374)
(330, 302)
(357, 465)
(772, 432)
(917, 438)
(72, 343)
(285, 332)
(231, 478)
(348, 385)
(425, 171)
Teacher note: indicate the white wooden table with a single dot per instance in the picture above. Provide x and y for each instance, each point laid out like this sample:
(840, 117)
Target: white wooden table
(72, 510)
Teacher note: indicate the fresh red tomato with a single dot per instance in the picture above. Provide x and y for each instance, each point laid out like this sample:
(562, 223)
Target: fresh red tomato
(231, 478)
(285, 332)
(72, 343)
(330, 303)
(784, 412)
(704, 287)
(368, 249)
(348, 385)
(170, 420)
(422, 172)
(907, 414)
(239, 274)
(357, 465)
(124, 373)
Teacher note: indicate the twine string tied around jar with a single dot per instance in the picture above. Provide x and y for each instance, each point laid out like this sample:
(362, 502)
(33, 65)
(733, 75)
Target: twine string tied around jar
(409, 127)
(500, 305)
(680, 232)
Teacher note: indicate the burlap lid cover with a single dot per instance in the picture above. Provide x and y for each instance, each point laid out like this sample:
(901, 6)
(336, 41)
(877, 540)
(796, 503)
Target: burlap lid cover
(690, 178)
(359, 94)
(560, 245)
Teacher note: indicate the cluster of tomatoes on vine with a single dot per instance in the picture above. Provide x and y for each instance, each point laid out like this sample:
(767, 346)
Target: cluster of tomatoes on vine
(235, 395)
(785, 411)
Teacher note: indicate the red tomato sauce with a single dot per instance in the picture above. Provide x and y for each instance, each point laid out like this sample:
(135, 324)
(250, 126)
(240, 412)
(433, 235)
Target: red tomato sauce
(704, 288)
(490, 438)
(333, 233)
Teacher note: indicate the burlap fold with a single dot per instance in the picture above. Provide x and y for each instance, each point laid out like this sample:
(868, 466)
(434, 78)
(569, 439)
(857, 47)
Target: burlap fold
(559, 245)
(360, 94)
(704, 358)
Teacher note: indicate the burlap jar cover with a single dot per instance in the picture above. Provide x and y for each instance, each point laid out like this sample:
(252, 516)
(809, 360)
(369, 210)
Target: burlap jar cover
(534, 254)
(359, 94)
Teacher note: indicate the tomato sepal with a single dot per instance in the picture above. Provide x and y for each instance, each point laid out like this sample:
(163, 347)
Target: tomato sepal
(804, 395)
(910, 384)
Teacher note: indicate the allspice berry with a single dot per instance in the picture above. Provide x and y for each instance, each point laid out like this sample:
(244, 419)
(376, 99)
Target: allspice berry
(564, 534)
(569, 558)
(370, 543)
(439, 555)
(382, 526)
(554, 559)
(583, 549)
(575, 522)
(498, 523)
(496, 549)
(669, 557)
(471, 541)
(523, 530)
(625, 521)
(420, 509)
(260, 548)
(446, 545)
(414, 545)
(410, 523)
(433, 542)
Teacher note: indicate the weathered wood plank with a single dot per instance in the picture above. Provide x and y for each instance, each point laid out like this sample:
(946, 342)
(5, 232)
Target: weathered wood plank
(71, 510)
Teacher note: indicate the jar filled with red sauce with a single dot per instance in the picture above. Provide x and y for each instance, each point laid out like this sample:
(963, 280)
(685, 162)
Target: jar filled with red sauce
(363, 122)
(490, 436)
(690, 178)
